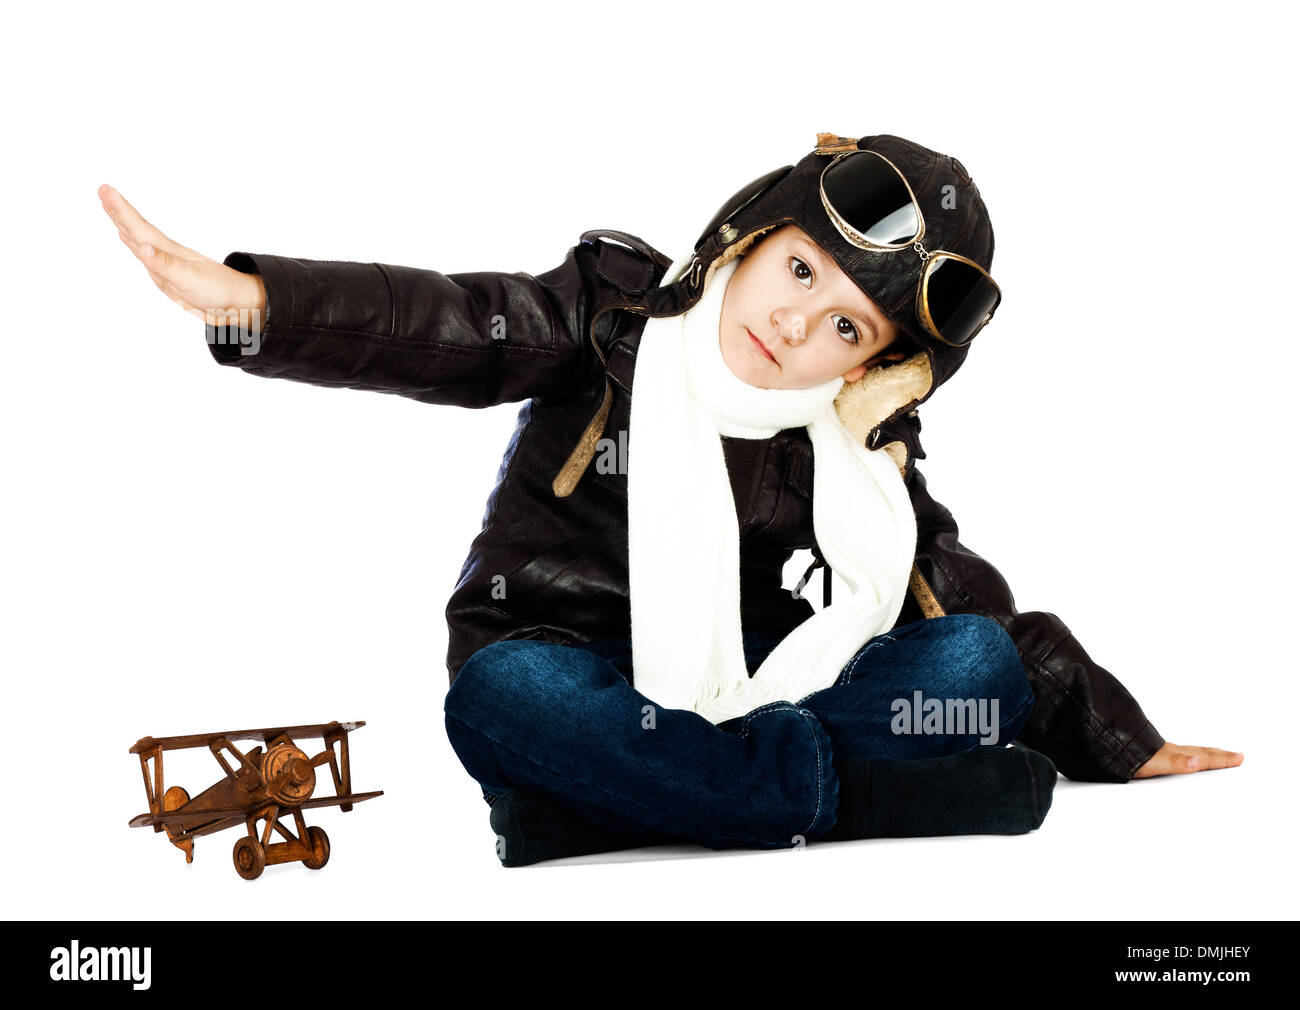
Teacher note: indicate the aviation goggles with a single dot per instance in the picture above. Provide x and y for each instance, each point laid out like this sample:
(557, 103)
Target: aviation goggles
(873, 207)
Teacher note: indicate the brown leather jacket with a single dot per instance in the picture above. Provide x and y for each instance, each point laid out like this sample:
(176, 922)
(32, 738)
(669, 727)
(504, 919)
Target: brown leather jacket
(551, 560)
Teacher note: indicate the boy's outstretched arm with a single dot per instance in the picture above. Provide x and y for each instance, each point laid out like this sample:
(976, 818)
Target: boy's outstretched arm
(1084, 719)
(467, 339)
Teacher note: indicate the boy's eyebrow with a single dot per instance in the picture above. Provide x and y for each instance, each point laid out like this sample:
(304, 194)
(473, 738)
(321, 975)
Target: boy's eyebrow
(820, 257)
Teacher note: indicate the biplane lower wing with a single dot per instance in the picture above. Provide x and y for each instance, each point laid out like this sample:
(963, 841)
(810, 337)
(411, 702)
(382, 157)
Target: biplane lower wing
(234, 814)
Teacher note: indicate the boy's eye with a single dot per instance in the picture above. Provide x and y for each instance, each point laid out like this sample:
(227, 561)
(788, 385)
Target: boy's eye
(843, 324)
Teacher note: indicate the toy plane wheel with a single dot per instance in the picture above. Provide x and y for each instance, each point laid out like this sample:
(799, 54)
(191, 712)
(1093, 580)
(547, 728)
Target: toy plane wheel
(250, 858)
(320, 848)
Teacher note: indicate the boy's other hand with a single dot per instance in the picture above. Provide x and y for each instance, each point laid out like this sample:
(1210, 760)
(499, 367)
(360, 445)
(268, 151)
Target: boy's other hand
(201, 286)
(1171, 759)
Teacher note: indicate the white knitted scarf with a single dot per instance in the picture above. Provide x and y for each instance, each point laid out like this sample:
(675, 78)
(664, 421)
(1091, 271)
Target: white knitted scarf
(683, 535)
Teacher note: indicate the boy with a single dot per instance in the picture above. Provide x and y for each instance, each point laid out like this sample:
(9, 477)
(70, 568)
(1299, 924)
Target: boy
(550, 564)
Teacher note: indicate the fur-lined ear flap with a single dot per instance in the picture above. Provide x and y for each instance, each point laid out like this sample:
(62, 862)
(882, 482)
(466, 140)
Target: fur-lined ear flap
(738, 248)
(881, 391)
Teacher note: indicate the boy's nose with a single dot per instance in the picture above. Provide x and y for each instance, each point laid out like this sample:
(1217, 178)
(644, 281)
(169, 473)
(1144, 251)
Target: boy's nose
(791, 326)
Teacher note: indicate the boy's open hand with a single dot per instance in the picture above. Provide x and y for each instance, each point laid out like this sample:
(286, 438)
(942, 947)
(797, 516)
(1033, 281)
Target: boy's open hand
(201, 286)
(1171, 759)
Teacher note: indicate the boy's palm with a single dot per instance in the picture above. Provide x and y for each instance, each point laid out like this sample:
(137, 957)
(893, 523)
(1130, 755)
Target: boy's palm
(201, 286)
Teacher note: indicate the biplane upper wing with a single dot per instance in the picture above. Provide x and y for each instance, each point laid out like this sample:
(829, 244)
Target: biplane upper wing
(236, 813)
(264, 735)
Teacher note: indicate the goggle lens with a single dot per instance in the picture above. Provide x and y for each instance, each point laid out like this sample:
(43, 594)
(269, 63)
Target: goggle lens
(872, 199)
(960, 297)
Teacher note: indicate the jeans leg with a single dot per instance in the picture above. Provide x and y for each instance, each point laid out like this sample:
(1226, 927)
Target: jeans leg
(967, 663)
(564, 722)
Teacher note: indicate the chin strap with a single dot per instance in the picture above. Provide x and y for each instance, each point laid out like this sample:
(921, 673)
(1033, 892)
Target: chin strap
(818, 562)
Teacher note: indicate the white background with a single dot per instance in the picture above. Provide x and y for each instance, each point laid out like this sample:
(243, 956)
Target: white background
(188, 548)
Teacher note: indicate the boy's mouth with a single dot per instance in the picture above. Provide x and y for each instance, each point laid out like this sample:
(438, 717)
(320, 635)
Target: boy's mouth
(758, 345)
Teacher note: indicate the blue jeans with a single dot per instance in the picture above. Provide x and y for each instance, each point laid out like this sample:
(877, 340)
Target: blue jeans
(564, 721)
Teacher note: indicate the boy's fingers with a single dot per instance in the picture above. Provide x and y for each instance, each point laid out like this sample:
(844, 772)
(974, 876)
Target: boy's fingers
(145, 251)
(131, 221)
(170, 267)
(168, 272)
(132, 244)
(1204, 758)
(135, 248)
(152, 263)
(1215, 757)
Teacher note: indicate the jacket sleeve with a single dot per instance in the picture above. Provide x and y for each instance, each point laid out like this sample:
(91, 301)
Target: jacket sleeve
(1083, 719)
(467, 339)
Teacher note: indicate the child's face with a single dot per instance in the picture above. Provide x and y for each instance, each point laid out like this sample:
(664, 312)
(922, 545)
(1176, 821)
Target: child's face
(792, 319)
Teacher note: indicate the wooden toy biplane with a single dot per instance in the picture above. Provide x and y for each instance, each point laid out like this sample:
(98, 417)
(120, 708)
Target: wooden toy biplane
(259, 786)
